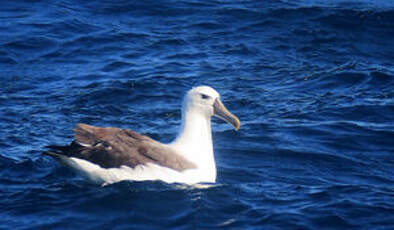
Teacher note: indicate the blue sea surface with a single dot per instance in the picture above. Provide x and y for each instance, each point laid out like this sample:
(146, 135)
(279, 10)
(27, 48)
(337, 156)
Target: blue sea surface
(312, 82)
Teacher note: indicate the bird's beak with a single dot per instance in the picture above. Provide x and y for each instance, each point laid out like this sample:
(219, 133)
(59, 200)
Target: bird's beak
(220, 111)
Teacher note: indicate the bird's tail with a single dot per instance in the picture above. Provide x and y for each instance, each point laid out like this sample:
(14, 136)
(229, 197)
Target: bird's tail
(52, 154)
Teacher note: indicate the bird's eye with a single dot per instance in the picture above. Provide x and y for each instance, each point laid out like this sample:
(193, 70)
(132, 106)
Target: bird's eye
(204, 96)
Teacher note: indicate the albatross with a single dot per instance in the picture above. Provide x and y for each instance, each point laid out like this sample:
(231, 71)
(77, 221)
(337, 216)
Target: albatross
(108, 155)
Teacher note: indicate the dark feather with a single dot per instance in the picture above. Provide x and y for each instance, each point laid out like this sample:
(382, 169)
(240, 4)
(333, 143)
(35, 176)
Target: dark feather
(114, 147)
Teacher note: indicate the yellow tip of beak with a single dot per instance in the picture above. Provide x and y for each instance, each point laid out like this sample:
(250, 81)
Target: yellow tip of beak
(237, 124)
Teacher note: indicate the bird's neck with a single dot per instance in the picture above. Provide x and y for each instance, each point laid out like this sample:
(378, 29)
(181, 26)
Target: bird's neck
(195, 139)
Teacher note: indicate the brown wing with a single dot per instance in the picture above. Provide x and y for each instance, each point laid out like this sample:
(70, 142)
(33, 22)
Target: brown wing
(114, 147)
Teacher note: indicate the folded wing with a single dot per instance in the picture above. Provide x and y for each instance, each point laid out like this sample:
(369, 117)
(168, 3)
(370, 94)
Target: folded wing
(114, 147)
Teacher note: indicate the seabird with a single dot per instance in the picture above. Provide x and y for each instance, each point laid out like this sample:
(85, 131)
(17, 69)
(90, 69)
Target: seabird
(109, 155)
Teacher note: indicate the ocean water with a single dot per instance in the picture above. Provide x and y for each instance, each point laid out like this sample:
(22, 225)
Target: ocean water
(312, 82)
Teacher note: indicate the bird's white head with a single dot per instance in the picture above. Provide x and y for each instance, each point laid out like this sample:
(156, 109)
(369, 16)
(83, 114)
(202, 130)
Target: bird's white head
(206, 101)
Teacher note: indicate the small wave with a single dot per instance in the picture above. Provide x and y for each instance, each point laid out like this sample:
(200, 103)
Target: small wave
(210, 26)
(31, 44)
(116, 66)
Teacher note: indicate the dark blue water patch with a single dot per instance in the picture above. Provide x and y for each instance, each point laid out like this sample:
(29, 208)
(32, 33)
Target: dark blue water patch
(366, 113)
(205, 26)
(116, 66)
(32, 44)
(358, 19)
